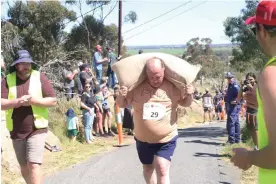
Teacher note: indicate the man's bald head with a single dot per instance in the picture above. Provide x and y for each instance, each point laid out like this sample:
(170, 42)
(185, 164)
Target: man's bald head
(155, 64)
(155, 69)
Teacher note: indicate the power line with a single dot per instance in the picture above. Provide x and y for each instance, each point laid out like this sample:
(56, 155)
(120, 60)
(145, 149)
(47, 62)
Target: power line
(157, 17)
(82, 15)
(165, 20)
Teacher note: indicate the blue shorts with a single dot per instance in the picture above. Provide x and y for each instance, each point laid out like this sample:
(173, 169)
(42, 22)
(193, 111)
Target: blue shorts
(146, 151)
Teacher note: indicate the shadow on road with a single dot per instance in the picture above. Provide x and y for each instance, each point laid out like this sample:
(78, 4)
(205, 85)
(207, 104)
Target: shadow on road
(211, 155)
(223, 182)
(205, 132)
(204, 142)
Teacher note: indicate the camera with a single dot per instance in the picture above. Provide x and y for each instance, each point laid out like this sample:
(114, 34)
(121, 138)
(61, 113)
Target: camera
(246, 82)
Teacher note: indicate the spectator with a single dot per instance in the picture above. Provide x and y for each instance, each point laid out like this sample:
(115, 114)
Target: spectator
(248, 93)
(98, 63)
(107, 114)
(207, 105)
(233, 110)
(128, 119)
(218, 104)
(79, 84)
(88, 103)
(86, 76)
(69, 83)
(26, 95)
(99, 112)
(72, 124)
(110, 73)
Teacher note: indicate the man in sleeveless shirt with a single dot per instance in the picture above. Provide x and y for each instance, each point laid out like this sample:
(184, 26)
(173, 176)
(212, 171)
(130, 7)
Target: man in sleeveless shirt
(264, 26)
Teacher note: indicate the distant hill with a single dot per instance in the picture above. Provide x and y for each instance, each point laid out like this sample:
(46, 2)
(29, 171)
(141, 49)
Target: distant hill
(174, 46)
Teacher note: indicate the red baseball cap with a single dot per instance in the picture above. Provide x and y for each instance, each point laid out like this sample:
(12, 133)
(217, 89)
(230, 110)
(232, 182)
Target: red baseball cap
(265, 14)
(98, 47)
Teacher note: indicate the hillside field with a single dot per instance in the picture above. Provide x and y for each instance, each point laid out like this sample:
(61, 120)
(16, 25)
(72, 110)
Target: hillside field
(174, 51)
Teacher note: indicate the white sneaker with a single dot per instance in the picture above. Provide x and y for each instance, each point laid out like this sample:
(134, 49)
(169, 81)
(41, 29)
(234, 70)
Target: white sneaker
(88, 142)
(92, 138)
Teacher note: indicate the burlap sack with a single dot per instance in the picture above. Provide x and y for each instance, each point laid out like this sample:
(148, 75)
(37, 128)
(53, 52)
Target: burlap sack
(131, 70)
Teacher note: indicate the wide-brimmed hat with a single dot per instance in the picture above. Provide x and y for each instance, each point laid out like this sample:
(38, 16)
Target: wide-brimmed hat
(22, 56)
(70, 113)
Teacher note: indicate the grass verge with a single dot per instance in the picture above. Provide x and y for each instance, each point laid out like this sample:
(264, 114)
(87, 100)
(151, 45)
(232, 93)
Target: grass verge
(251, 175)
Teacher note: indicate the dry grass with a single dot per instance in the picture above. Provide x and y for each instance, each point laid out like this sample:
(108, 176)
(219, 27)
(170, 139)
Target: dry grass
(247, 177)
(73, 153)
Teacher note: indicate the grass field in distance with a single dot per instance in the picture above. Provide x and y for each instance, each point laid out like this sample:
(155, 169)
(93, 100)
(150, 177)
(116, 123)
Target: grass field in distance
(174, 51)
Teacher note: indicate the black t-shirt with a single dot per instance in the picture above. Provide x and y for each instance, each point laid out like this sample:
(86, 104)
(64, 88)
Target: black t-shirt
(83, 77)
(88, 99)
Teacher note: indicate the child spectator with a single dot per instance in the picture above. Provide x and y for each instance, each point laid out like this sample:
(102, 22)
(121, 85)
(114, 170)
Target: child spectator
(106, 110)
(99, 112)
(71, 124)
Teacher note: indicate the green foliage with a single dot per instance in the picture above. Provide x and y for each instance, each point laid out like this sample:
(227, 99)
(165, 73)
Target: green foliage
(131, 17)
(41, 26)
(248, 54)
(199, 51)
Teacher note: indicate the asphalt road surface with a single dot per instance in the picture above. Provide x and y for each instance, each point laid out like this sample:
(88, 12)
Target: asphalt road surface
(197, 160)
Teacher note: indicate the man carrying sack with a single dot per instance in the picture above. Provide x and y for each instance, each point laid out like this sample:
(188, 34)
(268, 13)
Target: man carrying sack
(155, 103)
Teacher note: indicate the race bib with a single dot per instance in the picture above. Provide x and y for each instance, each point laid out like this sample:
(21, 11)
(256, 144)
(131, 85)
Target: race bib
(153, 111)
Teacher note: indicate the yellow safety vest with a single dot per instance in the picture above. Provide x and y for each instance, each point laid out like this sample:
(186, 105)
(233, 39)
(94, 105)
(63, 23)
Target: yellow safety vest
(40, 113)
(266, 176)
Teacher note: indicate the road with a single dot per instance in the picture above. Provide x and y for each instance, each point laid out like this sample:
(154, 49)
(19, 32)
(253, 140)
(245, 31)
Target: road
(197, 160)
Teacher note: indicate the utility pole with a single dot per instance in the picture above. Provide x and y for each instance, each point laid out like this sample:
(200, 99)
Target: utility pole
(120, 29)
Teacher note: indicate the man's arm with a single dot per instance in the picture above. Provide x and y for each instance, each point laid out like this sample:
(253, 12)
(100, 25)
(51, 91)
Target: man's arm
(187, 101)
(98, 60)
(122, 101)
(265, 158)
(43, 102)
(71, 76)
(48, 93)
(9, 104)
(186, 96)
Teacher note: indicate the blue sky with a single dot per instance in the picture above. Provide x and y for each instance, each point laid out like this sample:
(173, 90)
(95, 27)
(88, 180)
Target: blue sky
(205, 20)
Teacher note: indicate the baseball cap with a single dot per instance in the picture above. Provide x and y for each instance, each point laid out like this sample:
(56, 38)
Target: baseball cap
(265, 14)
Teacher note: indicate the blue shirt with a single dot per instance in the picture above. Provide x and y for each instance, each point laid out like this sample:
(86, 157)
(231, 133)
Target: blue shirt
(71, 123)
(232, 92)
(97, 57)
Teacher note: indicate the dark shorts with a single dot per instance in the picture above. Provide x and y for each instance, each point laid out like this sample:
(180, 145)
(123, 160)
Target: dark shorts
(72, 133)
(207, 109)
(218, 109)
(146, 151)
(251, 119)
(105, 111)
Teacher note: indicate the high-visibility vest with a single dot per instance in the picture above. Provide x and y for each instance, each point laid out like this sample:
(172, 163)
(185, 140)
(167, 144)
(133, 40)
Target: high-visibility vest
(40, 113)
(266, 176)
